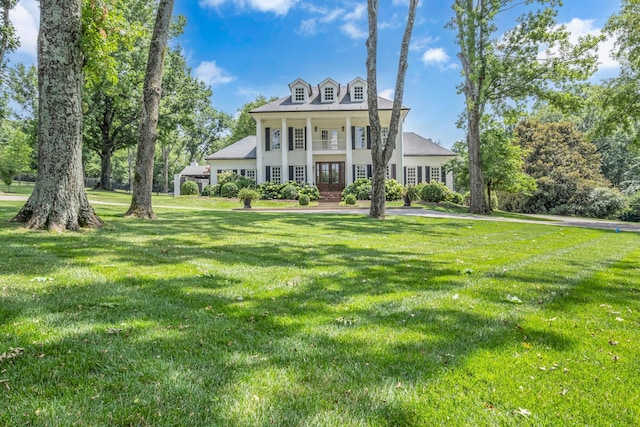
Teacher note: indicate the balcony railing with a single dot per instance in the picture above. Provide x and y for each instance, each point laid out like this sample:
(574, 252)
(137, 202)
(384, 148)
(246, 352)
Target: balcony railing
(329, 145)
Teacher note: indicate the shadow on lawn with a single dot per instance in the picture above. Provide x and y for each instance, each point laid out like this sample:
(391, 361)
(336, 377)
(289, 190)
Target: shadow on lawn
(354, 344)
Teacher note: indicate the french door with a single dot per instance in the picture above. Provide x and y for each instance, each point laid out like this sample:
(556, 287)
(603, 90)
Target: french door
(330, 176)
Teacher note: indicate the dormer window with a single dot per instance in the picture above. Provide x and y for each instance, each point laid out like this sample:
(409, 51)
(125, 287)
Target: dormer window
(328, 94)
(299, 94)
(300, 91)
(358, 93)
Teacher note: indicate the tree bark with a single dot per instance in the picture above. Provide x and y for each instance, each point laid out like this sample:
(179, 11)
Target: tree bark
(477, 202)
(381, 154)
(105, 169)
(59, 200)
(148, 130)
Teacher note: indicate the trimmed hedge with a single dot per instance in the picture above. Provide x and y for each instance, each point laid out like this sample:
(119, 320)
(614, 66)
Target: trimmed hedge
(189, 188)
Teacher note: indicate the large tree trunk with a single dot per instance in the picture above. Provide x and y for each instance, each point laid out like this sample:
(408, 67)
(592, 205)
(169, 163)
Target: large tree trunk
(477, 201)
(59, 201)
(105, 169)
(148, 131)
(381, 154)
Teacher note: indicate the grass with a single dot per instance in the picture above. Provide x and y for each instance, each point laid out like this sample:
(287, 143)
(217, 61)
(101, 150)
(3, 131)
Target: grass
(234, 318)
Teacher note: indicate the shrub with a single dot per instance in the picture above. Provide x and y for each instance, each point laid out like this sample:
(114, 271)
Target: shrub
(456, 198)
(361, 189)
(289, 192)
(207, 191)
(303, 200)
(350, 199)
(632, 211)
(230, 189)
(435, 192)
(309, 190)
(270, 190)
(247, 194)
(189, 188)
(412, 192)
(245, 183)
(393, 190)
(604, 203)
(228, 176)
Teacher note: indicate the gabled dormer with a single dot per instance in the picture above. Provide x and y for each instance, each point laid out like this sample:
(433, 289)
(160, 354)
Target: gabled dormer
(300, 91)
(357, 90)
(329, 91)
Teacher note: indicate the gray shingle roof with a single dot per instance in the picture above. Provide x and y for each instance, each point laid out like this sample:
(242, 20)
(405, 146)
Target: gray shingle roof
(195, 170)
(343, 103)
(413, 145)
(416, 145)
(243, 149)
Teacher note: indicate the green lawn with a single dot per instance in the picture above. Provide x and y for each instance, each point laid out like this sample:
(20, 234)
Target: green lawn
(212, 317)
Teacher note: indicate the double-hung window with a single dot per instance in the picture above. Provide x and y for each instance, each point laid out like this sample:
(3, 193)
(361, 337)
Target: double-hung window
(298, 174)
(412, 176)
(299, 94)
(298, 139)
(361, 171)
(250, 174)
(435, 173)
(275, 138)
(358, 93)
(328, 94)
(361, 138)
(276, 174)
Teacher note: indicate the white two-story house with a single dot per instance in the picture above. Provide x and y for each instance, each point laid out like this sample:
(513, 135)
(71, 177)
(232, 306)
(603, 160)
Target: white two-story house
(320, 135)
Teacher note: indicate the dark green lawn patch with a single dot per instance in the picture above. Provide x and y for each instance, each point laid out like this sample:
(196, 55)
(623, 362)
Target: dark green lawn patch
(211, 317)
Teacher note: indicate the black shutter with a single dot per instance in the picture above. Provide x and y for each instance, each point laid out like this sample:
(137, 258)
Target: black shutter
(428, 174)
(267, 140)
(353, 139)
(443, 173)
(306, 179)
(268, 173)
(305, 138)
(393, 171)
(369, 171)
(405, 175)
(354, 173)
(290, 139)
(419, 174)
(290, 173)
(235, 171)
(243, 172)
(368, 137)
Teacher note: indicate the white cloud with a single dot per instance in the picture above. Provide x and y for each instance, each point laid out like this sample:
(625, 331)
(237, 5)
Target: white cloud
(26, 19)
(279, 7)
(308, 27)
(358, 13)
(436, 55)
(209, 73)
(353, 31)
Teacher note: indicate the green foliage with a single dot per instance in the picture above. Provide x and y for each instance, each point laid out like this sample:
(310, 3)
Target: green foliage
(632, 211)
(245, 125)
(393, 190)
(208, 191)
(271, 191)
(350, 199)
(605, 203)
(289, 192)
(229, 189)
(435, 192)
(303, 200)
(412, 192)
(456, 198)
(247, 193)
(360, 188)
(564, 164)
(189, 188)
(15, 153)
(239, 180)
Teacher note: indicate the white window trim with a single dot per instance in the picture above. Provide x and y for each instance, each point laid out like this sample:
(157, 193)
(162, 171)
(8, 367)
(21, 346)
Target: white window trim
(361, 172)
(298, 138)
(276, 170)
(412, 175)
(361, 140)
(358, 93)
(435, 174)
(275, 131)
(299, 174)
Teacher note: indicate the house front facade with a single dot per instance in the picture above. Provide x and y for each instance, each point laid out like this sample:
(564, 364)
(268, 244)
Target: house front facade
(320, 135)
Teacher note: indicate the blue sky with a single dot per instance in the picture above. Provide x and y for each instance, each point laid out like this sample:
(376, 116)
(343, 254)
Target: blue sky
(244, 48)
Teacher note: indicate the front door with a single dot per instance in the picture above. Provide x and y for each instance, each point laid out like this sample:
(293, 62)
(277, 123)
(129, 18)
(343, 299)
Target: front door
(330, 176)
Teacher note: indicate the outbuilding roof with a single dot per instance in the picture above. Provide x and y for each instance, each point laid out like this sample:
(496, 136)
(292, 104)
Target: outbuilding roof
(243, 149)
(195, 170)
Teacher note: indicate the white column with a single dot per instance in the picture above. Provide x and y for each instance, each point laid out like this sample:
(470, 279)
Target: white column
(284, 147)
(176, 185)
(349, 160)
(259, 148)
(311, 173)
(400, 156)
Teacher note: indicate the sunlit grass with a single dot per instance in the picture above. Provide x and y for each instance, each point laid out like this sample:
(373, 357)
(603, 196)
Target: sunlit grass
(211, 317)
